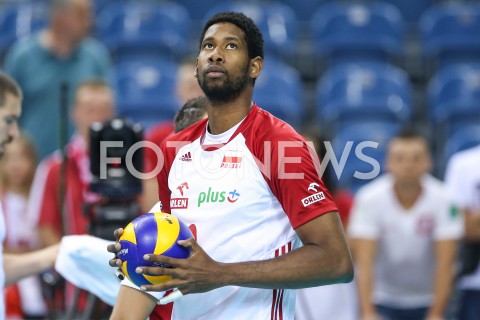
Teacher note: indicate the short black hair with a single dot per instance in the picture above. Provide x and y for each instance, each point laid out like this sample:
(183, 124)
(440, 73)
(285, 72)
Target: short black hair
(8, 85)
(191, 112)
(253, 35)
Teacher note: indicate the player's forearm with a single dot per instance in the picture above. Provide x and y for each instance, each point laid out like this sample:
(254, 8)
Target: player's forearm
(308, 266)
(472, 225)
(445, 254)
(365, 288)
(18, 266)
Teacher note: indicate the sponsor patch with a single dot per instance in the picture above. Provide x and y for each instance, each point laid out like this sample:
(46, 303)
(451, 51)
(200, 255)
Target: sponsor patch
(313, 198)
(179, 203)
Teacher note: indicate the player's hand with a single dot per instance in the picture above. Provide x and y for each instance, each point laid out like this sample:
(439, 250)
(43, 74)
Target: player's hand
(198, 273)
(115, 248)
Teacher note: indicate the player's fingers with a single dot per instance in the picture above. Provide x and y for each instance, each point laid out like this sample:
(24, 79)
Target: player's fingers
(163, 260)
(171, 297)
(156, 271)
(190, 243)
(115, 263)
(114, 247)
(118, 233)
(119, 274)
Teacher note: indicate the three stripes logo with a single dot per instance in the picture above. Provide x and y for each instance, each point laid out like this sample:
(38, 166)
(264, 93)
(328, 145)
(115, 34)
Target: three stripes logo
(186, 157)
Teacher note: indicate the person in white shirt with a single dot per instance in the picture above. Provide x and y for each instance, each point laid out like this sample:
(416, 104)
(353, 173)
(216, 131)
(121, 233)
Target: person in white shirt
(246, 184)
(462, 178)
(14, 267)
(405, 237)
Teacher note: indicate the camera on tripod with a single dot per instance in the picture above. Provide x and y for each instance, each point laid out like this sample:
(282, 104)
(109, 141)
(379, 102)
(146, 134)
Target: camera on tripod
(115, 153)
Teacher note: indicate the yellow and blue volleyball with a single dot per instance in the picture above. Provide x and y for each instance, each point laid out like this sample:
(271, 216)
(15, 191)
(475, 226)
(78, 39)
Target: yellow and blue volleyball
(151, 233)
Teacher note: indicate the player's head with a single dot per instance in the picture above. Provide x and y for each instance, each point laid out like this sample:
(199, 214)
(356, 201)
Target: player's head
(72, 18)
(230, 56)
(94, 102)
(10, 109)
(191, 112)
(408, 157)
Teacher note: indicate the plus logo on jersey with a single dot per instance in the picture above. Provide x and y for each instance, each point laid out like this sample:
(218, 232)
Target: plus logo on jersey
(180, 202)
(316, 197)
(212, 196)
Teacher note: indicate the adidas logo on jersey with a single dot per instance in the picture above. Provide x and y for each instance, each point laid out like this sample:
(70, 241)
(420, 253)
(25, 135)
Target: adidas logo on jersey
(186, 157)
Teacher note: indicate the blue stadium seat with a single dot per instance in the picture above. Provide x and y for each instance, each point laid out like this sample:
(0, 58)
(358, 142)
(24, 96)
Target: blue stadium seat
(279, 90)
(144, 29)
(358, 31)
(366, 91)
(304, 9)
(276, 21)
(411, 10)
(454, 96)
(146, 90)
(364, 147)
(451, 31)
(197, 9)
(21, 19)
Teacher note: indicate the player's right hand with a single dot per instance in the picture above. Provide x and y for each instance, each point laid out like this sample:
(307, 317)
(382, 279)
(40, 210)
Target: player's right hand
(115, 248)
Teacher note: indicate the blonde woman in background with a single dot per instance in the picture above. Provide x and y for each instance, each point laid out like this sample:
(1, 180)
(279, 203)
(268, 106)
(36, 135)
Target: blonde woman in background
(24, 299)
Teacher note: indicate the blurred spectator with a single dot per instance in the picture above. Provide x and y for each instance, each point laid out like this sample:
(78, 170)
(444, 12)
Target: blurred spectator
(63, 53)
(17, 169)
(404, 237)
(94, 102)
(463, 182)
(186, 88)
(191, 112)
(339, 301)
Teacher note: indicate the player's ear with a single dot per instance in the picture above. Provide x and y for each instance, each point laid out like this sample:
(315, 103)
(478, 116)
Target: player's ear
(195, 73)
(256, 65)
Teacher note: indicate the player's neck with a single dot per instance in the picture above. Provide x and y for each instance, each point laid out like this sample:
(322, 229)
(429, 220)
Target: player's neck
(407, 193)
(224, 116)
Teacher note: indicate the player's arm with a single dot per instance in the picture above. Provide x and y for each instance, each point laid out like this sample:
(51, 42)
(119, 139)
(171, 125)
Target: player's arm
(324, 259)
(365, 251)
(445, 251)
(472, 225)
(18, 266)
(132, 304)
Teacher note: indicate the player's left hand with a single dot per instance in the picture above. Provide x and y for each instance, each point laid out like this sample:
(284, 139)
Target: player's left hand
(198, 273)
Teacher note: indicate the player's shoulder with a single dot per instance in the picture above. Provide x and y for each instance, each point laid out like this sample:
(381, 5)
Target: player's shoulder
(267, 127)
(466, 158)
(190, 133)
(375, 189)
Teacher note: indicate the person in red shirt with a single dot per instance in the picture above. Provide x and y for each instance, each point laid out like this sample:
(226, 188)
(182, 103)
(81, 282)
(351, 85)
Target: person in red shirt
(94, 102)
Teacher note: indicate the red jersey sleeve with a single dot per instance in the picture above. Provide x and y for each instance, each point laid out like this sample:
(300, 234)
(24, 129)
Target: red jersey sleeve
(290, 168)
(49, 210)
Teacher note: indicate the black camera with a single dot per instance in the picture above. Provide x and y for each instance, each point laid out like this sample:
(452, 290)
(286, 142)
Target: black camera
(116, 160)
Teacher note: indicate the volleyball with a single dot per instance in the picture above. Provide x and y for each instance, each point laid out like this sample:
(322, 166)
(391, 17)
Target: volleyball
(151, 233)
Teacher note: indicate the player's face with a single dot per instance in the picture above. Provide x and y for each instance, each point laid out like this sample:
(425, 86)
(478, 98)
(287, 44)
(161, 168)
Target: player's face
(408, 160)
(18, 163)
(223, 65)
(9, 114)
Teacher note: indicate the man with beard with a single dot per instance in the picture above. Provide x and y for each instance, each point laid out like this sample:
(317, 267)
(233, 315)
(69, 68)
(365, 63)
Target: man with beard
(254, 196)
(14, 267)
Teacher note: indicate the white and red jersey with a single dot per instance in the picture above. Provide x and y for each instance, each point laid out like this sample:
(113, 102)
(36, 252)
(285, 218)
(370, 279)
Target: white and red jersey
(243, 199)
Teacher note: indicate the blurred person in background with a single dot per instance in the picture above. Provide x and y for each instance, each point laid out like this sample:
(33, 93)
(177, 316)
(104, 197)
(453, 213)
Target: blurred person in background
(94, 102)
(463, 182)
(62, 53)
(404, 237)
(307, 305)
(191, 112)
(24, 299)
(16, 266)
(186, 88)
